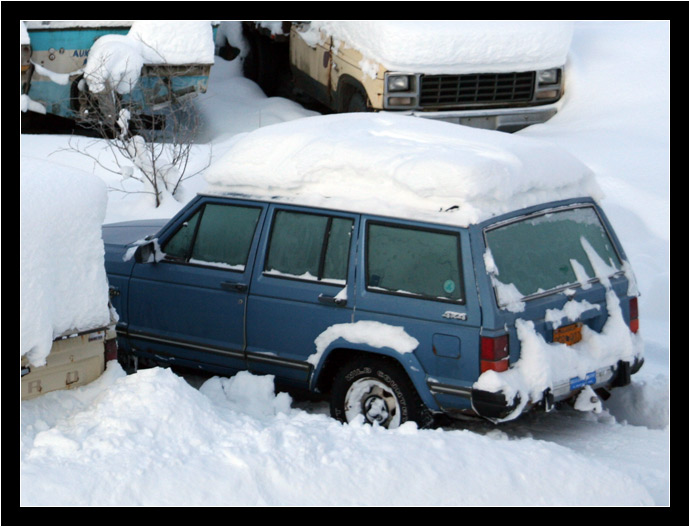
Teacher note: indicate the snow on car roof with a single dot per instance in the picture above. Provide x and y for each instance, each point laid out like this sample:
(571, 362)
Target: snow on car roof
(452, 46)
(399, 166)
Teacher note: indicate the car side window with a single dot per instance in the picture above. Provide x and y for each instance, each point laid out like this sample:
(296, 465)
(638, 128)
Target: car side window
(180, 243)
(412, 261)
(217, 235)
(309, 247)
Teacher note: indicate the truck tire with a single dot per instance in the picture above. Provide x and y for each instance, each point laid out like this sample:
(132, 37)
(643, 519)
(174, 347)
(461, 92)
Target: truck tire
(357, 102)
(380, 392)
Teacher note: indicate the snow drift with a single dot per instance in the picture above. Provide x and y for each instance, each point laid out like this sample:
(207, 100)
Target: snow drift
(234, 443)
(62, 281)
(399, 166)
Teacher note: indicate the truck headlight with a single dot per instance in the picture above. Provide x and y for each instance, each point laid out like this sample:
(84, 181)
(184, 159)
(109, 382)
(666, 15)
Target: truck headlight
(547, 76)
(398, 83)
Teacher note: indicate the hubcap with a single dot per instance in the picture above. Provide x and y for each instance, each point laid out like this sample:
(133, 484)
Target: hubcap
(373, 400)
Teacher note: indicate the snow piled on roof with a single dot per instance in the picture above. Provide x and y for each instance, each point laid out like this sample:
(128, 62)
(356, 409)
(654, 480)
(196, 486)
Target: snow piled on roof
(116, 60)
(453, 46)
(62, 276)
(399, 166)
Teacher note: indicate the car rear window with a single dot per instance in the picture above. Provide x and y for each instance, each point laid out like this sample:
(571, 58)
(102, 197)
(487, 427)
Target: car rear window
(552, 250)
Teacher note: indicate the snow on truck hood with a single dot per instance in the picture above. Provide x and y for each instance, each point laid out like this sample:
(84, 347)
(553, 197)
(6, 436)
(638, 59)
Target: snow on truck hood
(399, 166)
(465, 46)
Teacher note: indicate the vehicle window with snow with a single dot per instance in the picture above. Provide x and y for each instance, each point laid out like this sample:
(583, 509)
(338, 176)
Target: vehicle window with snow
(553, 250)
(414, 261)
(309, 247)
(225, 235)
(222, 238)
(179, 245)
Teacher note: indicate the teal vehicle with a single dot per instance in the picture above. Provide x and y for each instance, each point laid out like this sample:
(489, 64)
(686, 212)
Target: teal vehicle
(55, 53)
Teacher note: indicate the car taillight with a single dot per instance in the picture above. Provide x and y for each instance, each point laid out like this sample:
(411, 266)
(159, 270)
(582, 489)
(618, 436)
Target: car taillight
(110, 350)
(494, 353)
(634, 322)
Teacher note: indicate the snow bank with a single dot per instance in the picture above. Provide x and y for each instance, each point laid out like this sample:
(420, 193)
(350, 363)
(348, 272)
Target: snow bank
(399, 166)
(116, 60)
(457, 46)
(151, 439)
(62, 279)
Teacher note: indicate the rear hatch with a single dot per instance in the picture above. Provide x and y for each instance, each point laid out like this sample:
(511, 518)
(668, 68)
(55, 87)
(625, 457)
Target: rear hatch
(558, 283)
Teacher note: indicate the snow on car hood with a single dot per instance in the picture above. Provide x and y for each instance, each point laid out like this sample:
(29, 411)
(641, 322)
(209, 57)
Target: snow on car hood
(466, 46)
(127, 232)
(399, 166)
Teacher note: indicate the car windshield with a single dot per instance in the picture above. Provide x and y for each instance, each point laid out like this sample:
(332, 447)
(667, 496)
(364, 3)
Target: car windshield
(550, 250)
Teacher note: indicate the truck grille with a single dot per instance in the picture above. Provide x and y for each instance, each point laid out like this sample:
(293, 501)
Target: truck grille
(485, 89)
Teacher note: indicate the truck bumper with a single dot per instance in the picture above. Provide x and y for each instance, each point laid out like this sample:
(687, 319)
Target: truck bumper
(502, 119)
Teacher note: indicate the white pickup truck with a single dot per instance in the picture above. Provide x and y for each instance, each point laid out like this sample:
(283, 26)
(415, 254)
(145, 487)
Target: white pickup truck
(497, 75)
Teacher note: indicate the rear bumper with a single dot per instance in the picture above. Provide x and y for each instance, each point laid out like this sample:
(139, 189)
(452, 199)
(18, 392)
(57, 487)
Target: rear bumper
(495, 406)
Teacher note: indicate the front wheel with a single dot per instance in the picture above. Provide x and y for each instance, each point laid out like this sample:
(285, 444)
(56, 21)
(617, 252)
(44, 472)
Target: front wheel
(379, 392)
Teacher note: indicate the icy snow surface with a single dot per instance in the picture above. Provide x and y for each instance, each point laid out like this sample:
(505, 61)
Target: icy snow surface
(151, 439)
(62, 281)
(457, 46)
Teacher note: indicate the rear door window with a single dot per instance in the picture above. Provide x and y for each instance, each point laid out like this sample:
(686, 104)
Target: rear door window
(412, 261)
(309, 247)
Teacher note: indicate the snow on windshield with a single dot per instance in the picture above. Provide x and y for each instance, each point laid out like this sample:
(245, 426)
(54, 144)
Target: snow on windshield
(452, 46)
(399, 166)
(61, 268)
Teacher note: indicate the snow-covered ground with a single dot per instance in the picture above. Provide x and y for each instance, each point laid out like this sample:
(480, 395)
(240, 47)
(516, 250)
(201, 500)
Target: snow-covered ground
(153, 438)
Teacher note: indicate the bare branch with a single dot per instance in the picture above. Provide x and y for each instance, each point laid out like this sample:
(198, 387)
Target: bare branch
(159, 157)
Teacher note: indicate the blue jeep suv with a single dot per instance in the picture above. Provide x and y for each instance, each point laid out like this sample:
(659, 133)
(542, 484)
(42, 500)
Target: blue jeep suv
(395, 319)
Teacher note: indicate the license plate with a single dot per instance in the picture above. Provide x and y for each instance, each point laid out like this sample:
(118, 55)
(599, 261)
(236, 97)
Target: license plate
(568, 334)
(576, 382)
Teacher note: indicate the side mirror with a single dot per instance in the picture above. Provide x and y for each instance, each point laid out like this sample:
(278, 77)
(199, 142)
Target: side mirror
(145, 253)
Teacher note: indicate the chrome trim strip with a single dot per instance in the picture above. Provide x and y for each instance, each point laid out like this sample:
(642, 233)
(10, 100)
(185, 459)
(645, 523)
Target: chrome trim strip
(272, 359)
(187, 344)
(446, 389)
(252, 356)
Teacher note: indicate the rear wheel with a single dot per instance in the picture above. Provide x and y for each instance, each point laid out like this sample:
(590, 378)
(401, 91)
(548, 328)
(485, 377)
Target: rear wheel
(380, 392)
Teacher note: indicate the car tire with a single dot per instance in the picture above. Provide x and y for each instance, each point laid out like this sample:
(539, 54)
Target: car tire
(377, 391)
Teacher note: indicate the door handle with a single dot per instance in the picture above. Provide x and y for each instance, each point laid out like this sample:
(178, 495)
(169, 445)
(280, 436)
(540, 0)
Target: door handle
(233, 286)
(332, 300)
